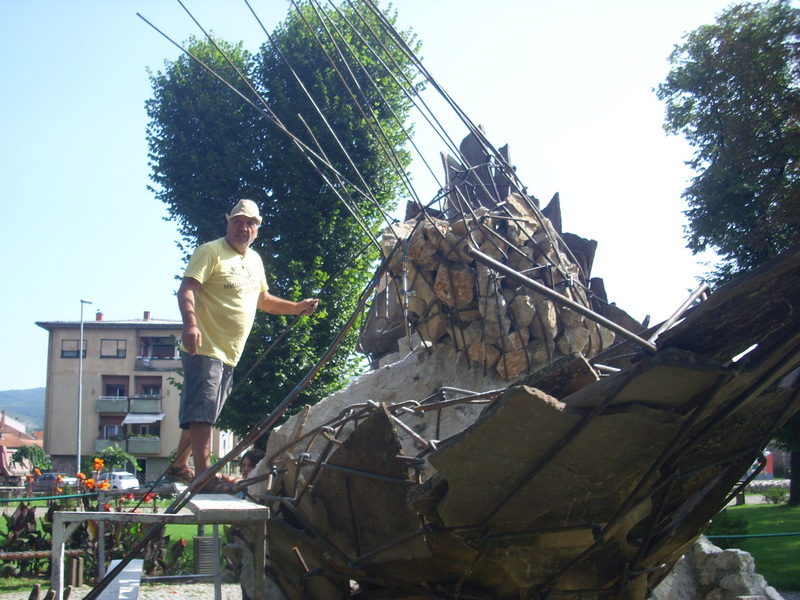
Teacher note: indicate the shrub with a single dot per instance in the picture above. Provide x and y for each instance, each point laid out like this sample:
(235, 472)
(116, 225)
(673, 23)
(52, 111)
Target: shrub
(22, 533)
(776, 495)
(726, 523)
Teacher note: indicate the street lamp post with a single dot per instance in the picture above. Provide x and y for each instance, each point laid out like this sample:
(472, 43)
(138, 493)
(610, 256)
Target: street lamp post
(80, 390)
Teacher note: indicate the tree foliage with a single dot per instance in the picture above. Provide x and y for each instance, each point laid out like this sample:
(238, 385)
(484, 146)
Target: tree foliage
(208, 148)
(733, 93)
(113, 456)
(34, 455)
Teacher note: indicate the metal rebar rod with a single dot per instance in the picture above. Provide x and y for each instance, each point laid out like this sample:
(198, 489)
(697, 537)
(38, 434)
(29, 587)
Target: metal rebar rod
(263, 427)
(679, 313)
(559, 299)
(359, 472)
(446, 403)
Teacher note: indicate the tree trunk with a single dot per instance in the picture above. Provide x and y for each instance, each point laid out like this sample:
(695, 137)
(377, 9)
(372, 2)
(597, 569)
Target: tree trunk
(794, 478)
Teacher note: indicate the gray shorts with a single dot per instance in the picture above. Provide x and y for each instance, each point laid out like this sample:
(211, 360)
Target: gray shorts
(206, 384)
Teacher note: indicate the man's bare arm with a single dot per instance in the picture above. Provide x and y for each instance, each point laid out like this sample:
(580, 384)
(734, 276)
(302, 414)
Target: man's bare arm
(278, 306)
(191, 334)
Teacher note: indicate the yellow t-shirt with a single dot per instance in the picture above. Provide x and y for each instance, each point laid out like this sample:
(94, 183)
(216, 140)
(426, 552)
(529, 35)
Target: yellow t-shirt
(227, 300)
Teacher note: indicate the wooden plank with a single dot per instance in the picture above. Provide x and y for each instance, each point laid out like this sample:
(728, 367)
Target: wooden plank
(34, 554)
(224, 508)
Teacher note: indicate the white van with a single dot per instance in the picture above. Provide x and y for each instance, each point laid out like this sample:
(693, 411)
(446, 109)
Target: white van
(120, 480)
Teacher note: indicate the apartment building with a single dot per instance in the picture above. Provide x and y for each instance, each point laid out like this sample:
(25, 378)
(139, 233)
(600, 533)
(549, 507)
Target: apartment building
(129, 391)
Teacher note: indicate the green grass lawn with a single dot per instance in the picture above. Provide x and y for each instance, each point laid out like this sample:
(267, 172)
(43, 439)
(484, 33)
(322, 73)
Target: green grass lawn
(22, 584)
(777, 558)
(187, 532)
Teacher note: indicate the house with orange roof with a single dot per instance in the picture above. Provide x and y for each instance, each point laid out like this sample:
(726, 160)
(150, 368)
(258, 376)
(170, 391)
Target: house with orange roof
(12, 437)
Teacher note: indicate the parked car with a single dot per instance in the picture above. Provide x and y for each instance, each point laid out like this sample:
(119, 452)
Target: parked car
(120, 480)
(49, 482)
(159, 485)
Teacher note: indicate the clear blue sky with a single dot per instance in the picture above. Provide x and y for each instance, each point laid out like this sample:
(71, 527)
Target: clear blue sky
(568, 85)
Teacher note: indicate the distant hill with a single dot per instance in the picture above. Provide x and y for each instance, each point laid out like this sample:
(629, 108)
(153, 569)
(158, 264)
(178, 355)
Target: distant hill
(26, 406)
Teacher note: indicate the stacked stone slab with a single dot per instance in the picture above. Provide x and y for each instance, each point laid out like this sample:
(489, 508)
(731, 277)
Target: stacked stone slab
(707, 571)
(501, 326)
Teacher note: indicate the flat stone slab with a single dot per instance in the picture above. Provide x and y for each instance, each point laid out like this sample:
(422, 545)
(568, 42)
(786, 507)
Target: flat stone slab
(224, 508)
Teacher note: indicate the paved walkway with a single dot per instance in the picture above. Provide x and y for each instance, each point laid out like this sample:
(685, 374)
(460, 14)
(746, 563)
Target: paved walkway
(202, 591)
(161, 591)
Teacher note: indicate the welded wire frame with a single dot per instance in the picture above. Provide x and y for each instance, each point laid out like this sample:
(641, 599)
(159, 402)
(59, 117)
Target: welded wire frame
(478, 179)
(655, 485)
(542, 258)
(474, 197)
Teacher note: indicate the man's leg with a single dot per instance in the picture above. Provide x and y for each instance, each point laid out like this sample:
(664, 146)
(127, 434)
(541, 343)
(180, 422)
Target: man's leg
(206, 385)
(184, 449)
(201, 445)
(180, 470)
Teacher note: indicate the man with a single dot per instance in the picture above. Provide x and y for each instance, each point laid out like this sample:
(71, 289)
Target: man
(223, 285)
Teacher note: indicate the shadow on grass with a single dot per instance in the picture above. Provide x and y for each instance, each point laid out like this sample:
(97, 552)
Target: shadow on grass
(776, 557)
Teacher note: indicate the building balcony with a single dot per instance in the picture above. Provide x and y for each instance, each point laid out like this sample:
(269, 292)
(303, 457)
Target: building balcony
(145, 404)
(144, 445)
(112, 404)
(153, 363)
(101, 444)
(133, 445)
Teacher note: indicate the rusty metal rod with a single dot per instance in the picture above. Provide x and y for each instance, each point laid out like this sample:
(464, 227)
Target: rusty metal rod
(359, 472)
(254, 435)
(446, 403)
(700, 291)
(355, 563)
(559, 299)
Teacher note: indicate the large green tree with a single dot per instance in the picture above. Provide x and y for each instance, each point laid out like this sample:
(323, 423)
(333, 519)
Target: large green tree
(733, 93)
(209, 147)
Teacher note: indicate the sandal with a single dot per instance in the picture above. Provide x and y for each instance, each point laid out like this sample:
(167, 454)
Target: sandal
(183, 474)
(216, 486)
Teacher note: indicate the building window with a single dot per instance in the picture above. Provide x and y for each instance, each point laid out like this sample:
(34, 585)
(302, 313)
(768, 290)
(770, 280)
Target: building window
(149, 430)
(148, 387)
(115, 390)
(112, 432)
(164, 351)
(113, 348)
(151, 391)
(115, 386)
(158, 347)
(69, 348)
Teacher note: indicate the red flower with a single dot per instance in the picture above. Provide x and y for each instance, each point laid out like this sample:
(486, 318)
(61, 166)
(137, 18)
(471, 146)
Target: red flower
(149, 498)
(107, 507)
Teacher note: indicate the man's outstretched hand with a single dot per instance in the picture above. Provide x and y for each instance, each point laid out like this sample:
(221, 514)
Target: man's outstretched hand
(308, 306)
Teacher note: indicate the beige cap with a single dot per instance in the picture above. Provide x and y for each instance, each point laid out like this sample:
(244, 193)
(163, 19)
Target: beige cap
(245, 208)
